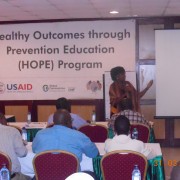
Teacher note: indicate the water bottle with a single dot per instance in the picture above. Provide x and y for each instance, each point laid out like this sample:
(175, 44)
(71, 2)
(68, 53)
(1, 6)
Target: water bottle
(29, 117)
(135, 133)
(4, 173)
(24, 134)
(93, 118)
(136, 174)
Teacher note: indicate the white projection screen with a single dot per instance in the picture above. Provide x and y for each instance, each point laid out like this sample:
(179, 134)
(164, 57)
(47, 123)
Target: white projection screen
(167, 73)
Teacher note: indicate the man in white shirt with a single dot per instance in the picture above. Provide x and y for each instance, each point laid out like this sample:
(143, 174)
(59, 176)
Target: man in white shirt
(122, 140)
(11, 143)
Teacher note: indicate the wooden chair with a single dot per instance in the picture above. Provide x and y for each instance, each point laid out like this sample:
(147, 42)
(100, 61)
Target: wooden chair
(54, 165)
(143, 131)
(97, 133)
(118, 165)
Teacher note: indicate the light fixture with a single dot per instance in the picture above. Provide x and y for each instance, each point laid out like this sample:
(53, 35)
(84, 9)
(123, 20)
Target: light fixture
(113, 12)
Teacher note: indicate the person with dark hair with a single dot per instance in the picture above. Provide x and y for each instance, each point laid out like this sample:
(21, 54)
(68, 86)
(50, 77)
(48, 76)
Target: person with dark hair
(62, 137)
(63, 103)
(3, 119)
(121, 89)
(126, 107)
(122, 140)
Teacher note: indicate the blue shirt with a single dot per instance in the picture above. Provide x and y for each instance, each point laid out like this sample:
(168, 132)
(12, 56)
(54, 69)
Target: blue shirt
(77, 121)
(62, 138)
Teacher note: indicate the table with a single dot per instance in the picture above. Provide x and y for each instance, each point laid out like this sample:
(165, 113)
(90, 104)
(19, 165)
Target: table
(154, 172)
(34, 127)
(31, 128)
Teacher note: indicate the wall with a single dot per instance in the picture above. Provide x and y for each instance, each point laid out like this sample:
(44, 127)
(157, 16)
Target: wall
(166, 130)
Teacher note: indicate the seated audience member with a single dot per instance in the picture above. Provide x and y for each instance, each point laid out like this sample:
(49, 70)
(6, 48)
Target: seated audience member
(175, 173)
(63, 103)
(62, 137)
(11, 143)
(126, 107)
(122, 140)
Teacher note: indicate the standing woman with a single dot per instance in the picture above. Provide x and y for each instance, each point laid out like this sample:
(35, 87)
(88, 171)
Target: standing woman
(121, 89)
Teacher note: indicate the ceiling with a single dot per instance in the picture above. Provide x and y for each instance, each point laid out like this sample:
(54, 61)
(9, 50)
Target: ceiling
(20, 10)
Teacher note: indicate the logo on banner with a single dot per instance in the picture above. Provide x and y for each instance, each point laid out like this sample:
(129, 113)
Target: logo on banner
(45, 88)
(19, 88)
(2, 88)
(94, 86)
(15, 88)
(53, 88)
(71, 89)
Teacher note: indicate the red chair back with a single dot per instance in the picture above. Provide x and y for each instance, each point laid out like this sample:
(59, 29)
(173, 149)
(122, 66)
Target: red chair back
(97, 133)
(143, 132)
(5, 159)
(55, 165)
(118, 165)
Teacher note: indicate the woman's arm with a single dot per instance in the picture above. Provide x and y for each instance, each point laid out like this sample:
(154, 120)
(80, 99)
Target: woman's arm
(143, 92)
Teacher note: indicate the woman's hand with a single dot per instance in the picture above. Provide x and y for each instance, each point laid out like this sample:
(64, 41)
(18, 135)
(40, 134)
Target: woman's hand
(149, 84)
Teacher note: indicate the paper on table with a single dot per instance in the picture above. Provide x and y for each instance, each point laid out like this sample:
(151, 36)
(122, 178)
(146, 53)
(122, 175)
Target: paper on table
(35, 125)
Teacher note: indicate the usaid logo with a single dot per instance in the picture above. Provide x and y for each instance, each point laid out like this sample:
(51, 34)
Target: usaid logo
(19, 87)
(2, 88)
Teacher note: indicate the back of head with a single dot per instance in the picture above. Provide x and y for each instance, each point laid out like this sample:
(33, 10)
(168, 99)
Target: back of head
(2, 119)
(175, 173)
(62, 103)
(115, 71)
(62, 117)
(122, 125)
(125, 104)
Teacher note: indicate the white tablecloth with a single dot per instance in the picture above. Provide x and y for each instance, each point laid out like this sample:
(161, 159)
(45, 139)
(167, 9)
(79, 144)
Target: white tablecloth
(32, 125)
(86, 163)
